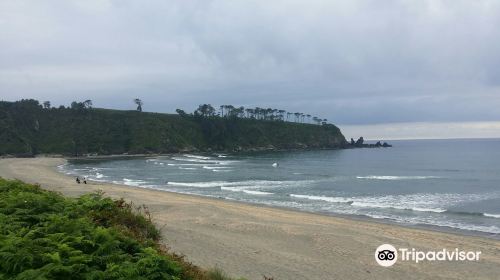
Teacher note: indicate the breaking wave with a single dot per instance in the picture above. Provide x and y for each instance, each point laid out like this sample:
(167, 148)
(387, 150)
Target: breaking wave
(243, 184)
(373, 177)
(132, 182)
(425, 202)
(236, 189)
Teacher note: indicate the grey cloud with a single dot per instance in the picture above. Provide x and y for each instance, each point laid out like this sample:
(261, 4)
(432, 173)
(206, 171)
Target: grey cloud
(353, 62)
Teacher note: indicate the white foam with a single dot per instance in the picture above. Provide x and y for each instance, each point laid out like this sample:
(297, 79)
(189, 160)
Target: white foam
(399, 207)
(184, 164)
(257, 192)
(437, 201)
(433, 220)
(487, 229)
(222, 170)
(375, 216)
(215, 167)
(227, 162)
(195, 160)
(187, 168)
(233, 189)
(196, 156)
(435, 210)
(206, 161)
(99, 175)
(438, 222)
(238, 189)
(101, 168)
(131, 182)
(199, 184)
(423, 202)
(323, 198)
(492, 215)
(373, 177)
(245, 184)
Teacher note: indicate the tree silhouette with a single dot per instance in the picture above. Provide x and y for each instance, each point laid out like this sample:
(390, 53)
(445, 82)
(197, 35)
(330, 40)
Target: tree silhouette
(205, 110)
(229, 110)
(222, 110)
(297, 115)
(258, 113)
(139, 104)
(87, 104)
(248, 112)
(282, 114)
(181, 112)
(241, 112)
(77, 106)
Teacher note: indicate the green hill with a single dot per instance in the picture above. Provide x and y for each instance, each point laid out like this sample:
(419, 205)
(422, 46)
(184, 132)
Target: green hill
(26, 128)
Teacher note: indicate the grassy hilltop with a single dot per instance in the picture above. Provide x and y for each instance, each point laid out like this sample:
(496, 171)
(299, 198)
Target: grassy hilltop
(26, 128)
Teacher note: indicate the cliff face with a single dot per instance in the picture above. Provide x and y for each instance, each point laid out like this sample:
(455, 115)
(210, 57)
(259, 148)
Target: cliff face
(27, 129)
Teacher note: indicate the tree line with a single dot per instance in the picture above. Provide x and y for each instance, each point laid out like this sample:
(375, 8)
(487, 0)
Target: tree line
(269, 114)
(75, 105)
(223, 111)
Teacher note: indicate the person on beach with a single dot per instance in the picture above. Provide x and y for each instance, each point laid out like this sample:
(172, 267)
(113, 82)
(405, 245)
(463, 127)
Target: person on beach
(78, 180)
(85, 180)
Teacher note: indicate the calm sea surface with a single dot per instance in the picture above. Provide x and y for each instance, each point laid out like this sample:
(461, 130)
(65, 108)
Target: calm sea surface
(448, 183)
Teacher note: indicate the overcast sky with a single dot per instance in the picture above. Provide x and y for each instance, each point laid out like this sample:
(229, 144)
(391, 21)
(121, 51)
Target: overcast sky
(352, 62)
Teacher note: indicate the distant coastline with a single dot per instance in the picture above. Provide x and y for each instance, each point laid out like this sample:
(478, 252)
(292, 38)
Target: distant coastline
(31, 129)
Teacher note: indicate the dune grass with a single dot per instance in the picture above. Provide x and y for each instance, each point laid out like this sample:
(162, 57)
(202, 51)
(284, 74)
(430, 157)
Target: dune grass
(44, 235)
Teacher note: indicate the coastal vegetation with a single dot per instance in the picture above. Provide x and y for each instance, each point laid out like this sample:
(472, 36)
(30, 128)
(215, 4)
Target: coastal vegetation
(269, 114)
(44, 235)
(29, 128)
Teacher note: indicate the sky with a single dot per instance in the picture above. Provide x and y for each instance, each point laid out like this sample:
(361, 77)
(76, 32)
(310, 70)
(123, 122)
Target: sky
(410, 67)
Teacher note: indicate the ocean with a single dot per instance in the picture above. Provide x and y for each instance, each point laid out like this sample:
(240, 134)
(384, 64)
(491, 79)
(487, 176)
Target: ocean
(454, 184)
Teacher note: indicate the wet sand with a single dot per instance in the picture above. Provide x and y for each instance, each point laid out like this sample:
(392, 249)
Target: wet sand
(252, 241)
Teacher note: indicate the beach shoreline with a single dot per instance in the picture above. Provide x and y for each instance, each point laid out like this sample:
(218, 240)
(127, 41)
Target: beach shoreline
(252, 240)
(360, 217)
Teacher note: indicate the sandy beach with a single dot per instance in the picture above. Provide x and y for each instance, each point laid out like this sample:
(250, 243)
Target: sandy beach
(251, 241)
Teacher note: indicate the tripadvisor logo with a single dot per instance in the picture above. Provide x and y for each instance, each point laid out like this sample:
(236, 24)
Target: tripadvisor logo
(387, 255)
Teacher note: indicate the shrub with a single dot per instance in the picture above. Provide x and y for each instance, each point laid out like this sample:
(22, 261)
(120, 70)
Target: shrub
(44, 235)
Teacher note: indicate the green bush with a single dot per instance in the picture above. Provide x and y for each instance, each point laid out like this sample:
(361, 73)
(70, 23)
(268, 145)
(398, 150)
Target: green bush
(44, 235)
